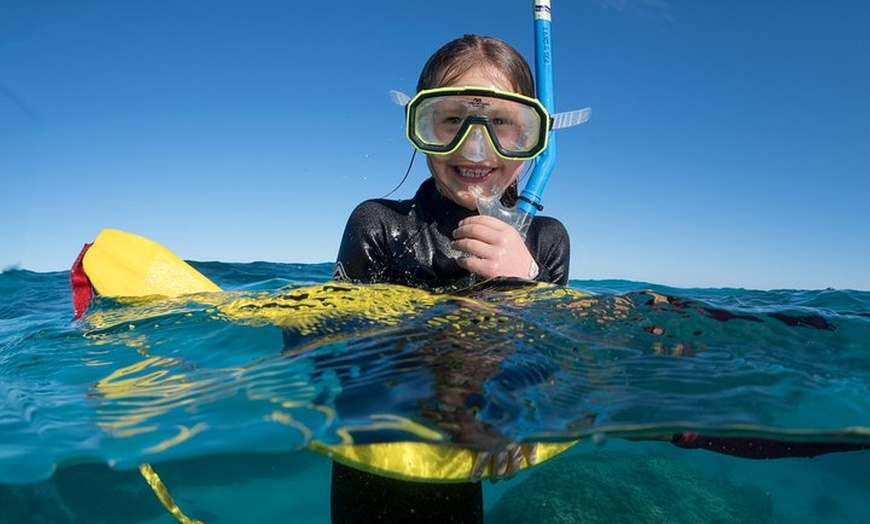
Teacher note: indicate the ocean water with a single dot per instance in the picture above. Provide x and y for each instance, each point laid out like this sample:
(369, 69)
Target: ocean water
(202, 387)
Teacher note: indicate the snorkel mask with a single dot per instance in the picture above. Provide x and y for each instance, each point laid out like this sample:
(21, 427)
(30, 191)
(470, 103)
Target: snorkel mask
(443, 120)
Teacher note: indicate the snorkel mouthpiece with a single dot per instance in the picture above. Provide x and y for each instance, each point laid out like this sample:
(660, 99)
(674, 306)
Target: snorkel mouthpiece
(474, 146)
(489, 204)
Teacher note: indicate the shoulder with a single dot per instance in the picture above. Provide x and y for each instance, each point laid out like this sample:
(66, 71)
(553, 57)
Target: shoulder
(549, 227)
(548, 222)
(379, 209)
(383, 207)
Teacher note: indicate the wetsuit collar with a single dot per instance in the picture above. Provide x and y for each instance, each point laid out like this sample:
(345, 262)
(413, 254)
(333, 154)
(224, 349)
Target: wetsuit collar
(443, 211)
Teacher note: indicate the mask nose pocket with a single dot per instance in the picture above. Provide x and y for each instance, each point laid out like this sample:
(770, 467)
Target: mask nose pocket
(474, 147)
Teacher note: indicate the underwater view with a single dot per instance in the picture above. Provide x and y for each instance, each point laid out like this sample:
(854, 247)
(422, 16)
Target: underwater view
(237, 399)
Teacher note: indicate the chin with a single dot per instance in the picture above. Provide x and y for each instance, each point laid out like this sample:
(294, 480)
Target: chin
(464, 199)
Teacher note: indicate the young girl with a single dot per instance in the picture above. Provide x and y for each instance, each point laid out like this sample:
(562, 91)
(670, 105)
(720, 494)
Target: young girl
(476, 120)
(474, 139)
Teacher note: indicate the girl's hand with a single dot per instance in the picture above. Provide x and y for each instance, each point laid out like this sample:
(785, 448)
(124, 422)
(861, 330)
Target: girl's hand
(495, 249)
(504, 463)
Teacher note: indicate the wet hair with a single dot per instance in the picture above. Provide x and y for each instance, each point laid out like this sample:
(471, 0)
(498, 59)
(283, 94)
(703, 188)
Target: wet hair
(457, 57)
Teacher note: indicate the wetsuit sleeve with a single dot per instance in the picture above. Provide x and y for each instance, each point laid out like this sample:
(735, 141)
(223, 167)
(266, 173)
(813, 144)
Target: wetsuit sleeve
(760, 448)
(362, 255)
(550, 245)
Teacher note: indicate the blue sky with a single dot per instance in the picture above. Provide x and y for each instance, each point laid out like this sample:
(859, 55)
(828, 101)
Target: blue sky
(728, 145)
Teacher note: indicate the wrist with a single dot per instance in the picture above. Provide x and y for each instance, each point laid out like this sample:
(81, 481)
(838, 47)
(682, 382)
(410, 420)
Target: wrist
(534, 270)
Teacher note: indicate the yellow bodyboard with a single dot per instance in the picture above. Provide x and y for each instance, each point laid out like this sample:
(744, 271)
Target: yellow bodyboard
(121, 264)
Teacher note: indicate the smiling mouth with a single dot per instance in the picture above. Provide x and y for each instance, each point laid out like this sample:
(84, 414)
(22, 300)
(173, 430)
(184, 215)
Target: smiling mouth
(473, 175)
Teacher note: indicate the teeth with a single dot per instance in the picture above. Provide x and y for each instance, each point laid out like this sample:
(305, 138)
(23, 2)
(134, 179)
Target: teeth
(473, 173)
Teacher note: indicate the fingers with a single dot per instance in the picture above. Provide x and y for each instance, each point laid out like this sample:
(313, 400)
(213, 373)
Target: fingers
(512, 462)
(484, 266)
(486, 229)
(495, 248)
(475, 247)
(501, 463)
(505, 463)
(481, 463)
(530, 452)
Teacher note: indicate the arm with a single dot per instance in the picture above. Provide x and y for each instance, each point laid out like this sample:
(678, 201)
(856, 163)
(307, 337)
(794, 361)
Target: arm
(497, 249)
(361, 255)
(760, 448)
(551, 247)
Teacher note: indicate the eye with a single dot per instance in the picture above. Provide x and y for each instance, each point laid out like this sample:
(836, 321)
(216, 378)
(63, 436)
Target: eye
(505, 123)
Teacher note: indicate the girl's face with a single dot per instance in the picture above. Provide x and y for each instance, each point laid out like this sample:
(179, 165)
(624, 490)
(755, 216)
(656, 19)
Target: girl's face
(475, 163)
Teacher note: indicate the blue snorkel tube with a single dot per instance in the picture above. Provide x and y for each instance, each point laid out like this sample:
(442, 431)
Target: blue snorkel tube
(530, 198)
(529, 202)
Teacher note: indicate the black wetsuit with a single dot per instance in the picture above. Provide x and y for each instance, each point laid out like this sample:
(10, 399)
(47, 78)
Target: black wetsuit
(408, 243)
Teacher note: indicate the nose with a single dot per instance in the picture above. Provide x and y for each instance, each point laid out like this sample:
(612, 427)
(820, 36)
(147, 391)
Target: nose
(475, 147)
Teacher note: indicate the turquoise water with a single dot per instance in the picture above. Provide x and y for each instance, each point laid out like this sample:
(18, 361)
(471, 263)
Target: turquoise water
(205, 395)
